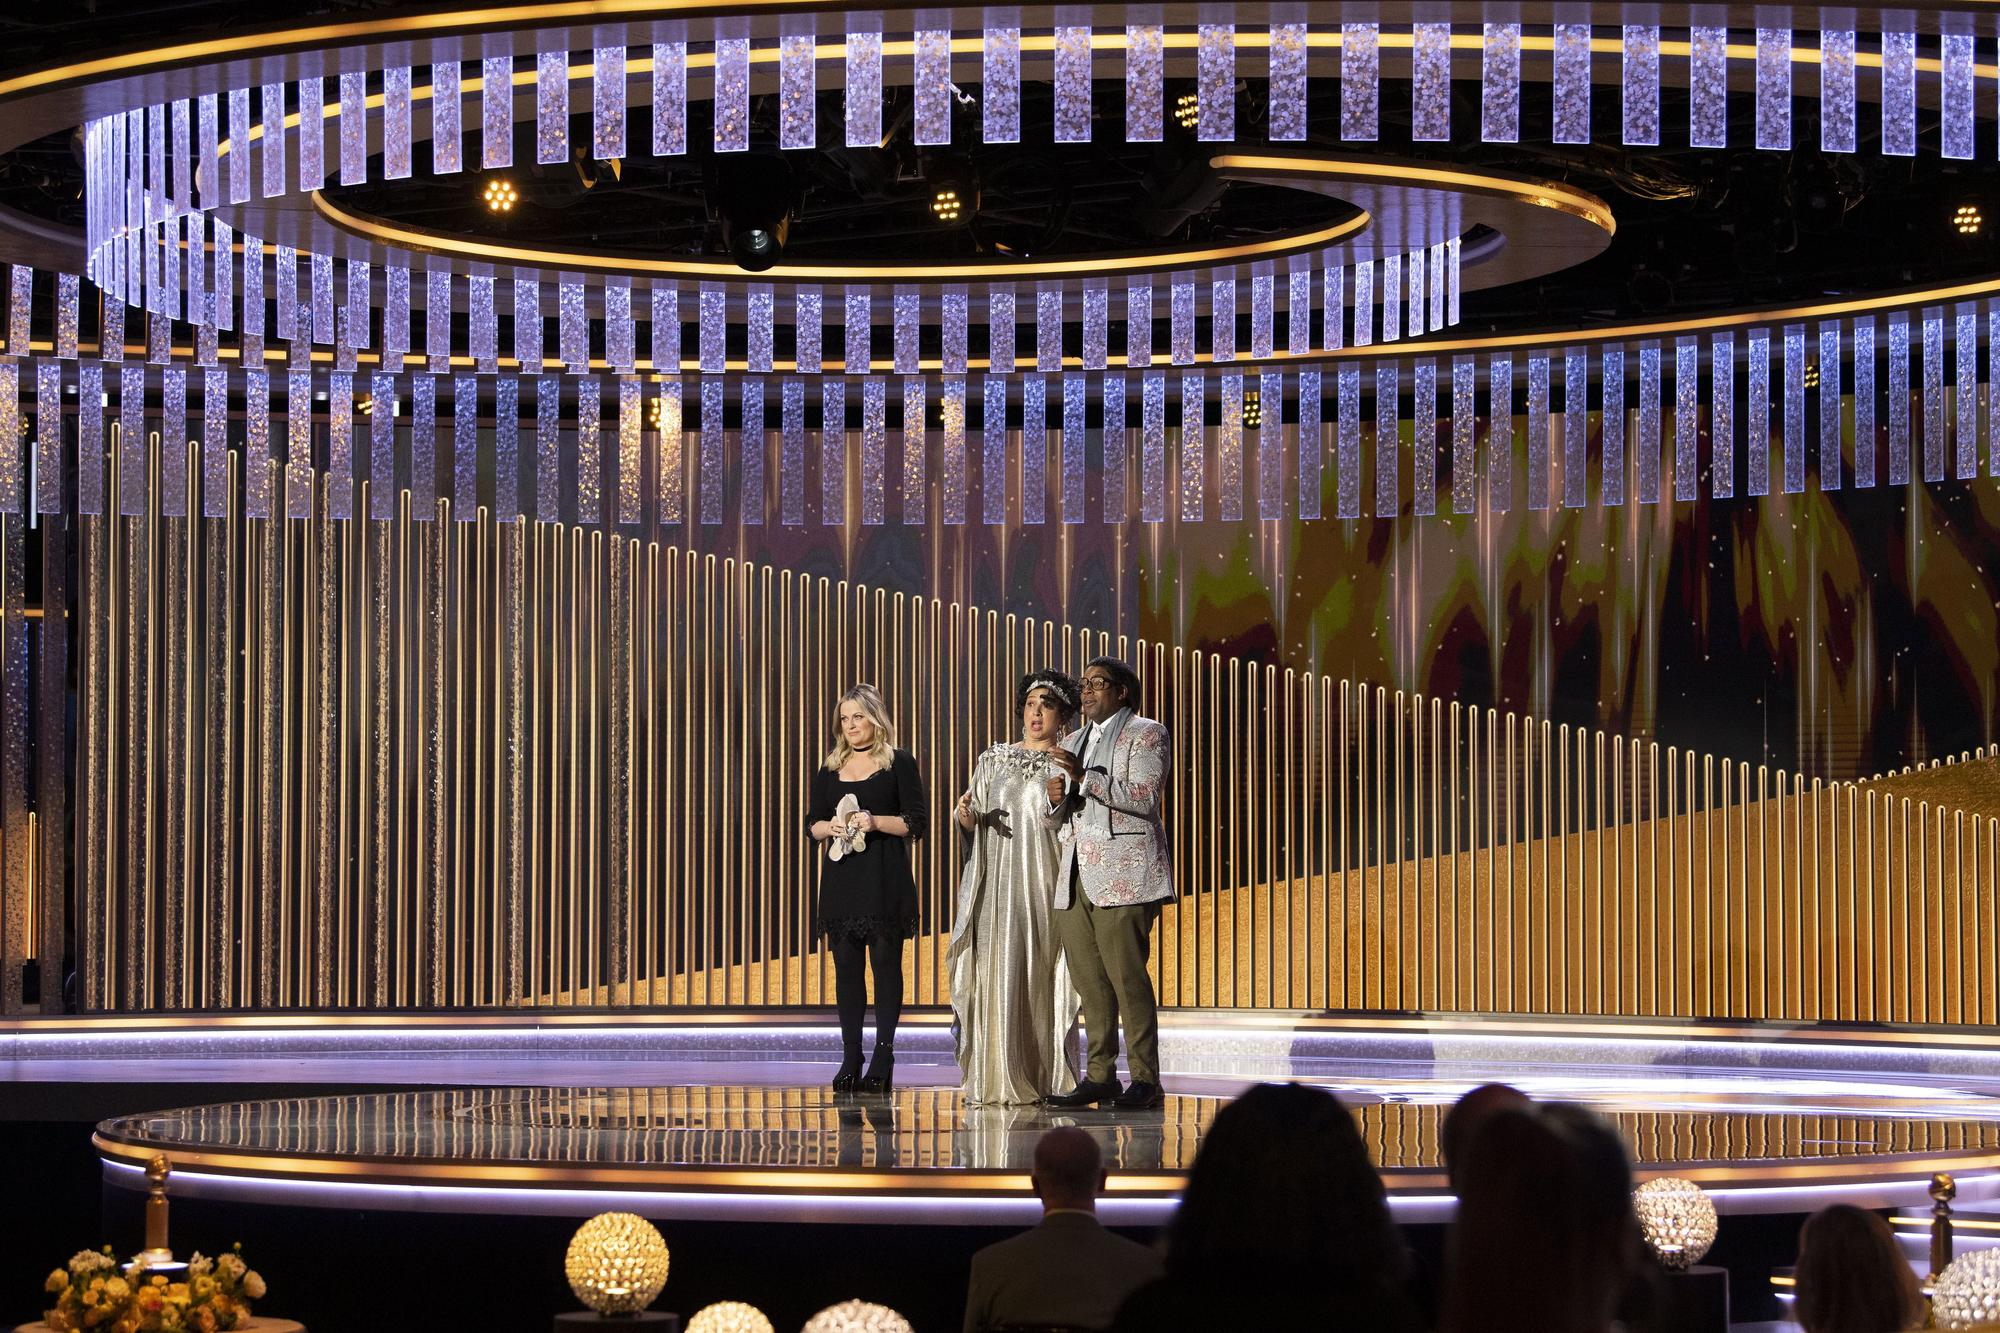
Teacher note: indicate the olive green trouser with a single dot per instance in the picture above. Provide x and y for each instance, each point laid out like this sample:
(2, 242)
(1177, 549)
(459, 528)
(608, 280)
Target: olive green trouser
(1107, 949)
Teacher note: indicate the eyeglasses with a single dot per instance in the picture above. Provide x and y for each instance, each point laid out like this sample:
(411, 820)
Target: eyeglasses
(1092, 684)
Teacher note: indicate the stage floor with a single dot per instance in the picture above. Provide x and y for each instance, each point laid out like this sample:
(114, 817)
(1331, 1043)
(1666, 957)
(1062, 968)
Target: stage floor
(727, 1116)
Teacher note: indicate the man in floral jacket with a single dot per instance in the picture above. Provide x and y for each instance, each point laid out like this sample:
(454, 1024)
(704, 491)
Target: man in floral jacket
(1116, 870)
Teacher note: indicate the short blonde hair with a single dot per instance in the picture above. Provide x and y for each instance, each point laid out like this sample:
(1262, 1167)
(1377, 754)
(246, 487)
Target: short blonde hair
(877, 712)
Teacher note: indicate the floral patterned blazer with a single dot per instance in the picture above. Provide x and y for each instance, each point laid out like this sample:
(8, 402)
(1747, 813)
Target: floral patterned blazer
(1109, 826)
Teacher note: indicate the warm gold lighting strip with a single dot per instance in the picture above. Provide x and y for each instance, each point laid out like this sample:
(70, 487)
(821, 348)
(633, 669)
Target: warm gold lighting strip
(1541, 194)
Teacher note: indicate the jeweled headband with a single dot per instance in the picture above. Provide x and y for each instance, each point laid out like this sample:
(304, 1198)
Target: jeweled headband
(1055, 687)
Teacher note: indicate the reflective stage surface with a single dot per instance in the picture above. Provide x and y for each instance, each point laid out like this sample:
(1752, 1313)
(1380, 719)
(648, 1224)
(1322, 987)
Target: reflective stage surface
(736, 1124)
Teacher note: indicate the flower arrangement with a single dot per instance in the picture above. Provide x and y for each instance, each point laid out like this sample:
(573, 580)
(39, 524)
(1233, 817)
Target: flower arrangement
(93, 1294)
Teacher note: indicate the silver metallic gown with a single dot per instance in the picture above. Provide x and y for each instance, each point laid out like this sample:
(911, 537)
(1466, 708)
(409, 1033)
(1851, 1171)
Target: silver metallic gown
(1010, 985)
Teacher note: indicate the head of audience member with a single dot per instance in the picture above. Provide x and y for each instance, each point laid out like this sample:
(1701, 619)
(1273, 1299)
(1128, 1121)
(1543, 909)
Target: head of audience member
(1467, 1114)
(1851, 1276)
(1068, 1171)
(1545, 1240)
(1284, 1206)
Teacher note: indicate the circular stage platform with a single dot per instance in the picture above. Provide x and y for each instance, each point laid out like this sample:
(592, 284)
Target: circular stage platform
(729, 1119)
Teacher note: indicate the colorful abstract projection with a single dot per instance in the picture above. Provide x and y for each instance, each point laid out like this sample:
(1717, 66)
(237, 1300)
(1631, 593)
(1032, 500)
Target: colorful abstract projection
(1307, 374)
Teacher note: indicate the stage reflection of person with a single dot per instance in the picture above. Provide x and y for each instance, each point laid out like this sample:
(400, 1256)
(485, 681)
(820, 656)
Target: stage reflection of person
(867, 899)
(1010, 987)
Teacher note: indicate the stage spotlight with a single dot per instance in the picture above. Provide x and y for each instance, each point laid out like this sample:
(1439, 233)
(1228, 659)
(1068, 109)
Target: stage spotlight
(946, 206)
(1812, 375)
(500, 195)
(364, 404)
(754, 203)
(1187, 111)
(1253, 409)
(1967, 219)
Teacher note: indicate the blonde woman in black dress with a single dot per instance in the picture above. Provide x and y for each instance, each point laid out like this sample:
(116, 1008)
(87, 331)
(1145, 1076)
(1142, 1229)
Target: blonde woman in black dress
(867, 898)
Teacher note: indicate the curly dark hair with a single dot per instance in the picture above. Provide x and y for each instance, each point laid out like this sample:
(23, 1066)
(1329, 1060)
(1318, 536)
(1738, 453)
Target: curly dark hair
(1122, 675)
(1066, 693)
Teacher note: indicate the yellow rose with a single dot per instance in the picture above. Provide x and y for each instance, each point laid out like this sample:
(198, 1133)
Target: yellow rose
(202, 1288)
(253, 1285)
(116, 1288)
(57, 1281)
(178, 1291)
(93, 1317)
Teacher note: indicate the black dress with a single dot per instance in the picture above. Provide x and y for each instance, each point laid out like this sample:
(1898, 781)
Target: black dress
(870, 894)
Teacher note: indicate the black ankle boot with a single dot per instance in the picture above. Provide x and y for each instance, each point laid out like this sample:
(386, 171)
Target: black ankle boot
(850, 1073)
(881, 1077)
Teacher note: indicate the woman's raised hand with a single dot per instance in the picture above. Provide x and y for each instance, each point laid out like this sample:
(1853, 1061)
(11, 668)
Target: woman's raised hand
(963, 813)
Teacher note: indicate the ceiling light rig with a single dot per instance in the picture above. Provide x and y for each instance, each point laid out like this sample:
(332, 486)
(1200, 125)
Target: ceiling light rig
(1968, 219)
(946, 206)
(1253, 409)
(1187, 111)
(500, 195)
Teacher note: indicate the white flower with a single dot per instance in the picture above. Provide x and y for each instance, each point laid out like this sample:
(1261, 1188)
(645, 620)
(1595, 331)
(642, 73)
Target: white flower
(232, 1267)
(200, 1265)
(253, 1285)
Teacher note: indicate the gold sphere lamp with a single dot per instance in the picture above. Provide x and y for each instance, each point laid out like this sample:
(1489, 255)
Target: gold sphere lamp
(1678, 1220)
(730, 1317)
(857, 1317)
(616, 1265)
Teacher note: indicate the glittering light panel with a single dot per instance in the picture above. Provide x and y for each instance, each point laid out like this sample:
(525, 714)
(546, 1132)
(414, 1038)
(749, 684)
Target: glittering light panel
(1388, 471)
(798, 126)
(732, 94)
(669, 99)
(1829, 405)
(1757, 413)
(759, 316)
(68, 304)
(484, 325)
(1392, 298)
(1687, 425)
(1708, 86)
(13, 496)
(953, 304)
(1333, 311)
(1271, 446)
(437, 319)
(915, 451)
(528, 332)
(861, 102)
(1222, 319)
(993, 449)
(1575, 426)
(1899, 399)
(1864, 399)
(792, 452)
(619, 351)
(239, 142)
(857, 347)
(506, 449)
(1194, 447)
(1774, 88)
(1360, 81)
(1415, 264)
(251, 341)
(1364, 303)
(1464, 416)
(1452, 251)
(672, 480)
(1180, 312)
(1000, 93)
(48, 438)
(952, 478)
(423, 448)
(1721, 414)
(496, 112)
(1572, 83)
(321, 269)
(1538, 430)
(312, 133)
(607, 102)
(1145, 67)
(395, 124)
(1072, 85)
(1836, 90)
(1795, 409)
(1153, 447)
(1646, 440)
(1347, 441)
(1611, 380)
(131, 438)
(750, 453)
(807, 305)
(353, 127)
(256, 442)
(1075, 437)
(1500, 84)
(1000, 328)
(1430, 82)
(214, 443)
(713, 337)
(1899, 93)
(833, 451)
(1139, 324)
(1263, 337)
(1641, 84)
(1229, 450)
(548, 448)
(447, 128)
(932, 91)
(1286, 86)
(631, 446)
(208, 134)
(1096, 325)
(1965, 351)
(1311, 445)
(1933, 367)
(90, 438)
(1955, 134)
(1116, 439)
(1034, 449)
(664, 330)
(464, 448)
(874, 451)
(1298, 307)
(551, 107)
(1215, 82)
(1048, 328)
(572, 323)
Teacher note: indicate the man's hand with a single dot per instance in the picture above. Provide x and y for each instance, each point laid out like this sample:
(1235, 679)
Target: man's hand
(1055, 787)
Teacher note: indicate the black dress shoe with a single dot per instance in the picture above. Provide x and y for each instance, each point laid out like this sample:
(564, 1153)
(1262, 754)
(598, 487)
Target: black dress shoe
(1087, 1094)
(849, 1074)
(1141, 1096)
(880, 1080)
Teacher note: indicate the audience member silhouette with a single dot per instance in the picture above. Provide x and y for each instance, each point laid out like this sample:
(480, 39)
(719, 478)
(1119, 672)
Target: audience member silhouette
(1852, 1278)
(1467, 1114)
(1068, 1272)
(1283, 1225)
(1545, 1240)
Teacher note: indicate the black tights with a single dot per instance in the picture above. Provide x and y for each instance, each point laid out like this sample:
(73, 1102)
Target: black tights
(850, 987)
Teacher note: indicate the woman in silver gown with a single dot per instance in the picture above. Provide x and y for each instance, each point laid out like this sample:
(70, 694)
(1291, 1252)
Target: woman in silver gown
(1010, 986)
